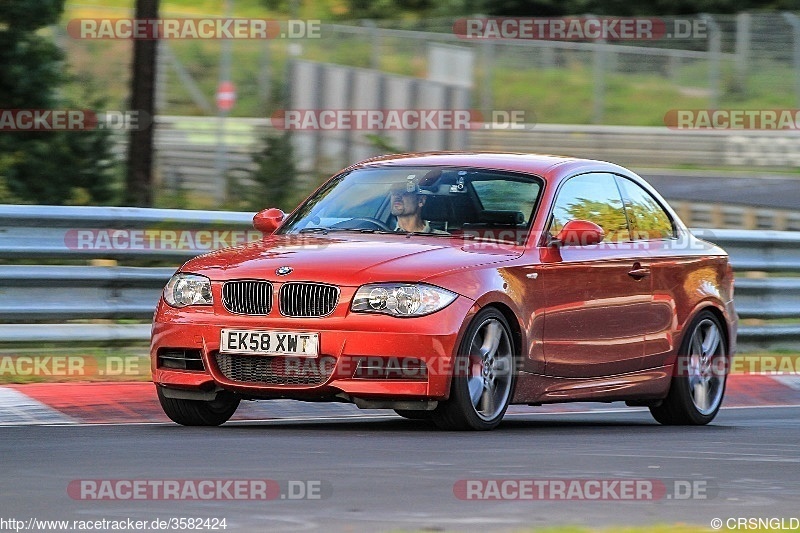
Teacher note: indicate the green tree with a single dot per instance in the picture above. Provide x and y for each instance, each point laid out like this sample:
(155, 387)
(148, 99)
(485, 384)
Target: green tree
(275, 177)
(610, 217)
(54, 167)
(385, 9)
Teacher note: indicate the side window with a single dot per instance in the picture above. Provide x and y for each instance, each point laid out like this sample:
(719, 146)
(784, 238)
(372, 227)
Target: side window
(648, 219)
(593, 197)
(507, 195)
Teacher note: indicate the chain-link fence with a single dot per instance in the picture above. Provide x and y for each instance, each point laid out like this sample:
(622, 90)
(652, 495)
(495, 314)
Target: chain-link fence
(731, 61)
(744, 61)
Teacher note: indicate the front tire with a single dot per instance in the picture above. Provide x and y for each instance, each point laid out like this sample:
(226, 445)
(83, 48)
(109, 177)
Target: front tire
(199, 412)
(698, 383)
(483, 377)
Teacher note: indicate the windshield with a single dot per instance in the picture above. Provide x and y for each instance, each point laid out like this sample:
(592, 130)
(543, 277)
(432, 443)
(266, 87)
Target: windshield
(441, 201)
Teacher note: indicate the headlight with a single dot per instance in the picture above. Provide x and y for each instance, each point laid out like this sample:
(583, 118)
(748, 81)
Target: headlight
(401, 299)
(188, 289)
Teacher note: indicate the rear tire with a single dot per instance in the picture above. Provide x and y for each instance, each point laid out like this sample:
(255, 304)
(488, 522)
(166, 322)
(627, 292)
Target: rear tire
(199, 412)
(698, 382)
(483, 376)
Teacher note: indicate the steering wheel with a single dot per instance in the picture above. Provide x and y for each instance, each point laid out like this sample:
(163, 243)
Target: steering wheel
(362, 223)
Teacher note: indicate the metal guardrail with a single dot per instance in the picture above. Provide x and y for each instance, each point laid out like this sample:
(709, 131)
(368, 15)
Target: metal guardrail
(37, 300)
(56, 292)
(764, 251)
(768, 298)
(28, 232)
(74, 333)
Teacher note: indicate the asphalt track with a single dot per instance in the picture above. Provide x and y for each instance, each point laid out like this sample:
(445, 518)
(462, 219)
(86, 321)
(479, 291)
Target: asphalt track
(387, 473)
(746, 189)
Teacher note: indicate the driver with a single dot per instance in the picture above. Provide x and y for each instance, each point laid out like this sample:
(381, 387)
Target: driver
(407, 200)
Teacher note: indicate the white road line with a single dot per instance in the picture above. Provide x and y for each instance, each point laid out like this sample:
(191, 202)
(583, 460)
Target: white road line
(762, 459)
(230, 423)
(18, 409)
(776, 406)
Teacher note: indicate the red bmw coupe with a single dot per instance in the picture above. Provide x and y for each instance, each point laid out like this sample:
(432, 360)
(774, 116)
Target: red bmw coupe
(449, 286)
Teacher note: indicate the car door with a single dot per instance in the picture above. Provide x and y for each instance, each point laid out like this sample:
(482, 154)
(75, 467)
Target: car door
(653, 229)
(594, 295)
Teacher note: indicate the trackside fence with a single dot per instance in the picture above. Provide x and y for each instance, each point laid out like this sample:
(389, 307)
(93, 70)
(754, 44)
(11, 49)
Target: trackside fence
(94, 274)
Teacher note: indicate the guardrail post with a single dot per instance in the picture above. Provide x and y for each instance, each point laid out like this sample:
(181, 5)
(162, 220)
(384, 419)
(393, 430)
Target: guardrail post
(222, 149)
(264, 89)
(376, 40)
(714, 53)
(487, 95)
(794, 22)
(742, 49)
(161, 78)
(598, 80)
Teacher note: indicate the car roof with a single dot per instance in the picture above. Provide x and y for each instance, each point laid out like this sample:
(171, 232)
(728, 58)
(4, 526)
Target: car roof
(547, 166)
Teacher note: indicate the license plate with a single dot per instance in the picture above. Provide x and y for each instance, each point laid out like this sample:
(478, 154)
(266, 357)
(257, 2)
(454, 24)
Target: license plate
(269, 342)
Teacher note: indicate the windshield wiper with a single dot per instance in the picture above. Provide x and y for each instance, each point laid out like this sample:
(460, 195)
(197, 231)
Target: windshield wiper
(432, 234)
(319, 229)
(364, 230)
(361, 230)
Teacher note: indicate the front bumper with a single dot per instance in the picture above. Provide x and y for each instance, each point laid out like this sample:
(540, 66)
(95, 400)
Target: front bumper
(349, 343)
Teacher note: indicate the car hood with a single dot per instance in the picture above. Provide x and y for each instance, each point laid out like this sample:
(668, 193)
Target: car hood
(346, 259)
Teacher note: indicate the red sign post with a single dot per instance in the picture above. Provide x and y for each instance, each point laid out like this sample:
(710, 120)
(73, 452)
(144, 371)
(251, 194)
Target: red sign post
(226, 96)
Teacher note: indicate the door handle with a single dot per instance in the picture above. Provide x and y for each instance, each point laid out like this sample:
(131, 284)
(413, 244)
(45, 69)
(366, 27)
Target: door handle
(638, 271)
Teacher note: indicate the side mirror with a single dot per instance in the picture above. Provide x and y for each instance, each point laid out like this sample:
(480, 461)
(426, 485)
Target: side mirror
(579, 233)
(268, 220)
